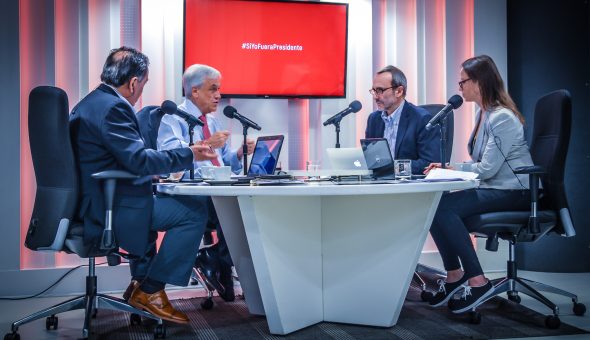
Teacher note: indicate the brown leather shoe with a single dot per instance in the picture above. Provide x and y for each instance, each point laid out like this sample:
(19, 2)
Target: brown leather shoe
(132, 285)
(157, 304)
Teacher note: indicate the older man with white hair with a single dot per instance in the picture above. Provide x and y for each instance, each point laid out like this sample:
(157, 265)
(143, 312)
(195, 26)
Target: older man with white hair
(202, 86)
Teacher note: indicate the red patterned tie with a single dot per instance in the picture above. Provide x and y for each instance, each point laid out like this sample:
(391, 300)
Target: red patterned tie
(207, 135)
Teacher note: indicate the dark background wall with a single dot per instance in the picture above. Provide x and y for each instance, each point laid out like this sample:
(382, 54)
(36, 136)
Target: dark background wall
(10, 137)
(549, 49)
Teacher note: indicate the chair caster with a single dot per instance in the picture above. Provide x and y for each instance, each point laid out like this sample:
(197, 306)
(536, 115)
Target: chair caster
(134, 319)
(475, 317)
(579, 309)
(12, 336)
(514, 298)
(160, 331)
(426, 295)
(552, 322)
(207, 304)
(51, 322)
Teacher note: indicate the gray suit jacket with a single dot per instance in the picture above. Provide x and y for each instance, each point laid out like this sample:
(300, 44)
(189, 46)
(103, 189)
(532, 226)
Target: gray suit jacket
(500, 145)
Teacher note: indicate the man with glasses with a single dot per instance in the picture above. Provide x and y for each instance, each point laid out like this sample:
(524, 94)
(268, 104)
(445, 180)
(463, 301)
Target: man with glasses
(400, 122)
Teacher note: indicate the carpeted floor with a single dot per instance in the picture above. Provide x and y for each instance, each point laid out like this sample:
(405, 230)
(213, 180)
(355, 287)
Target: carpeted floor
(500, 319)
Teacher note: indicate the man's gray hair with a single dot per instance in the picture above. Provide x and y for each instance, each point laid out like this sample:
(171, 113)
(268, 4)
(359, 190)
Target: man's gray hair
(195, 76)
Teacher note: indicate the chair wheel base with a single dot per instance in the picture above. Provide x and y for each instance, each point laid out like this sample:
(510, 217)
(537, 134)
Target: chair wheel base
(426, 296)
(134, 319)
(207, 304)
(514, 298)
(160, 331)
(51, 322)
(579, 309)
(552, 322)
(475, 317)
(12, 336)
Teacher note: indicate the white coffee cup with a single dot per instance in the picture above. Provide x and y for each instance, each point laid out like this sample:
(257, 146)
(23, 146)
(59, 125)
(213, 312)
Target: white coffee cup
(216, 173)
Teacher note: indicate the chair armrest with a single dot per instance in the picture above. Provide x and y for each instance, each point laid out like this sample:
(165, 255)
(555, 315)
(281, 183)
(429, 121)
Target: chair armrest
(531, 170)
(114, 174)
(109, 184)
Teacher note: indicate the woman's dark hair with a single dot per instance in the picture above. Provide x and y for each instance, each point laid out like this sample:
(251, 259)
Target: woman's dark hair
(122, 64)
(483, 70)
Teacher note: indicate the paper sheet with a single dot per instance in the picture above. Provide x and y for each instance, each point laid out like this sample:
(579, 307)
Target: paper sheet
(450, 174)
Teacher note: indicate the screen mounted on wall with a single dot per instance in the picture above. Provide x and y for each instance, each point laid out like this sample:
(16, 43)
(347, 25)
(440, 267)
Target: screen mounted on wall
(269, 48)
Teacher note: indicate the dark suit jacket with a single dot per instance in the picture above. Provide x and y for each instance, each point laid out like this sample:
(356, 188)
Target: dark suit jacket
(413, 141)
(106, 136)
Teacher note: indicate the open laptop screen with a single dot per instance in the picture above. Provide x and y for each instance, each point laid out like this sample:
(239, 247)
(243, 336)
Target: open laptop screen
(266, 155)
(378, 155)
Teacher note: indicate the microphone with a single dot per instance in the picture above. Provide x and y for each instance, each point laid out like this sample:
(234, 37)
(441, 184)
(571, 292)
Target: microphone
(355, 106)
(231, 112)
(168, 107)
(454, 103)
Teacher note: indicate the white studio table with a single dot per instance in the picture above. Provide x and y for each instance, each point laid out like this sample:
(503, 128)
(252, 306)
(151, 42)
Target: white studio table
(324, 252)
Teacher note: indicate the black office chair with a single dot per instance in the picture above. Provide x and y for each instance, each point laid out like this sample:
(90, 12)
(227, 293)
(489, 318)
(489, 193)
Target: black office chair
(549, 209)
(433, 109)
(53, 225)
(149, 119)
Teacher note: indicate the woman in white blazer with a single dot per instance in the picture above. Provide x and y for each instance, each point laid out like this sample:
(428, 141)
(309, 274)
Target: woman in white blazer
(497, 146)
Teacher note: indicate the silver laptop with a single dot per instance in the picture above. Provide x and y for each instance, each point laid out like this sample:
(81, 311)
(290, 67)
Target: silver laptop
(347, 159)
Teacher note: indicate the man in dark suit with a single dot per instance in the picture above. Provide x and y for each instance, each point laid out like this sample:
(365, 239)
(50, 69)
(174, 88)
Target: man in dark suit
(400, 122)
(105, 136)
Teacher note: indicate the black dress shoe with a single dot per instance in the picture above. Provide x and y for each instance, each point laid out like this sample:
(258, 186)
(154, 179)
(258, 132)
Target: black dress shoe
(207, 265)
(471, 298)
(446, 290)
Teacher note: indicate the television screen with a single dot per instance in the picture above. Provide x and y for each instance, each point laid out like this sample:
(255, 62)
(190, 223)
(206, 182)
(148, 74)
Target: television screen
(269, 48)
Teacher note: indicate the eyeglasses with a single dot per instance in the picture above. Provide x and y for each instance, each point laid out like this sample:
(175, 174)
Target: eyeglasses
(463, 82)
(379, 91)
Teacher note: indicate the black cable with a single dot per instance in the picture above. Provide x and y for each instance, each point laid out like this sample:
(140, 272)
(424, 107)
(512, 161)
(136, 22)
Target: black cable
(496, 138)
(51, 286)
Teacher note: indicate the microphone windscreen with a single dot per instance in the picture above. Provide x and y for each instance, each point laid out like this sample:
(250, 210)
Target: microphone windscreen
(229, 111)
(169, 107)
(355, 106)
(456, 101)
